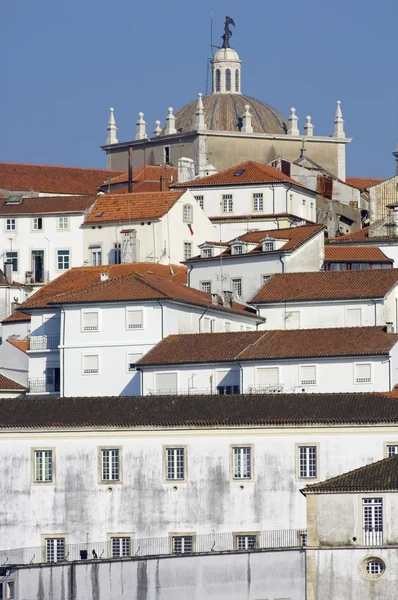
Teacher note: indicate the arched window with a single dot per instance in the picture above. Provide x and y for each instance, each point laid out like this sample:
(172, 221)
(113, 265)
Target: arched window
(228, 80)
(187, 213)
(237, 80)
(218, 80)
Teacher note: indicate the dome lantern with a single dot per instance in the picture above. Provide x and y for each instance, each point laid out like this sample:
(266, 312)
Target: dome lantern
(226, 66)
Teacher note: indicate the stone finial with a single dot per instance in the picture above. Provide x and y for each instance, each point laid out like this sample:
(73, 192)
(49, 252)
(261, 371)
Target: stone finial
(308, 127)
(170, 123)
(141, 125)
(293, 123)
(111, 139)
(247, 120)
(338, 122)
(158, 129)
(200, 123)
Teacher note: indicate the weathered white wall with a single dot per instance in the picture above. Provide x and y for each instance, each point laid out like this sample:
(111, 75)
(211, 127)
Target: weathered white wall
(241, 576)
(17, 329)
(9, 295)
(145, 505)
(14, 363)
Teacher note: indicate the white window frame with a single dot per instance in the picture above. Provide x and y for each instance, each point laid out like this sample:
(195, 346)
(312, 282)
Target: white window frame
(35, 223)
(394, 449)
(113, 454)
(182, 539)
(173, 472)
(207, 253)
(235, 280)
(130, 309)
(55, 537)
(87, 328)
(10, 224)
(187, 213)
(96, 256)
(200, 199)
(90, 372)
(227, 203)
(12, 259)
(38, 455)
(121, 539)
(242, 462)
(303, 461)
(308, 382)
(130, 362)
(237, 249)
(258, 202)
(62, 220)
(244, 540)
(204, 284)
(269, 246)
(187, 245)
(372, 520)
(166, 155)
(357, 381)
(63, 256)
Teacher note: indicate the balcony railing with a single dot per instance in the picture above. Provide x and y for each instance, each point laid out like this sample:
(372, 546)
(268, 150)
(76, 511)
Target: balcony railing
(42, 385)
(273, 388)
(373, 537)
(161, 546)
(182, 392)
(44, 342)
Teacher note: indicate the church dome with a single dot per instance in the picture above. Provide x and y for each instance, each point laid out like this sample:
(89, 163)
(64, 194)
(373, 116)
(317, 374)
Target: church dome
(226, 54)
(224, 111)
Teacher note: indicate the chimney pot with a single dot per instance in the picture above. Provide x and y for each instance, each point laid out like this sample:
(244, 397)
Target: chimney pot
(8, 271)
(104, 276)
(214, 299)
(389, 327)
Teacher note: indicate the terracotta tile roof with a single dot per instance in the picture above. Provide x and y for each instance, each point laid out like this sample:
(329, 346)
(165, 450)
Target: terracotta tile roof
(18, 316)
(20, 344)
(274, 344)
(132, 207)
(362, 183)
(381, 476)
(150, 173)
(253, 172)
(258, 217)
(137, 287)
(366, 254)
(327, 285)
(52, 179)
(81, 277)
(356, 236)
(48, 205)
(295, 237)
(139, 187)
(9, 385)
(268, 410)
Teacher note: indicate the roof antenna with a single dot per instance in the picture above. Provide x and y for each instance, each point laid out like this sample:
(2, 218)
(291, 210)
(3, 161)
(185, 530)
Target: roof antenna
(211, 50)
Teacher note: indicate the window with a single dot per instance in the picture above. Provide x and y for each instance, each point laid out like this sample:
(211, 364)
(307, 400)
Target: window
(268, 246)
(117, 253)
(207, 252)
(187, 213)
(175, 465)
(363, 373)
(227, 390)
(182, 544)
(90, 321)
(307, 461)
(63, 260)
(237, 249)
(120, 547)
(132, 359)
(227, 326)
(134, 319)
(200, 200)
(11, 224)
(43, 466)
(245, 542)
(268, 378)
(110, 464)
(227, 80)
(37, 223)
(63, 223)
(242, 462)
(237, 287)
(10, 590)
(265, 278)
(55, 549)
(303, 201)
(375, 566)
(166, 383)
(96, 256)
(187, 250)
(307, 375)
(13, 257)
(90, 364)
(218, 80)
(353, 317)
(166, 155)
(227, 203)
(258, 202)
(236, 80)
(392, 450)
(372, 521)
(205, 286)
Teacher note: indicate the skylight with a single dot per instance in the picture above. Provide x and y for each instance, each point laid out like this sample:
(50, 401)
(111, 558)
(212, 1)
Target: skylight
(100, 213)
(239, 172)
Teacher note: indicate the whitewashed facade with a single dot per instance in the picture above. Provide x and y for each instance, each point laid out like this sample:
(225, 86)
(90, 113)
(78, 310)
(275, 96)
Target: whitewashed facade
(14, 363)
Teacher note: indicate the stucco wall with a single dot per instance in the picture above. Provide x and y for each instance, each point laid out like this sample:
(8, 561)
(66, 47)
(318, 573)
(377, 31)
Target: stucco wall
(14, 363)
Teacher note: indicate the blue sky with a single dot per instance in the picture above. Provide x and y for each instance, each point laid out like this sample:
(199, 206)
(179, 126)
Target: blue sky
(65, 63)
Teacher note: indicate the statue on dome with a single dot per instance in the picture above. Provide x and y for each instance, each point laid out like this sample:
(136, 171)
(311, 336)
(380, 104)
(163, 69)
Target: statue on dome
(227, 32)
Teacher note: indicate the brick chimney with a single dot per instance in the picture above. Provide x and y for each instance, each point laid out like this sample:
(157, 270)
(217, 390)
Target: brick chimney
(8, 271)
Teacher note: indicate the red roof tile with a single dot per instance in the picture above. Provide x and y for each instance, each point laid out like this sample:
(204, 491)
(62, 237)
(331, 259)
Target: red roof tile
(9, 385)
(18, 316)
(48, 205)
(367, 254)
(356, 236)
(136, 287)
(306, 343)
(260, 217)
(20, 344)
(148, 173)
(81, 277)
(327, 285)
(362, 183)
(253, 172)
(52, 179)
(132, 207)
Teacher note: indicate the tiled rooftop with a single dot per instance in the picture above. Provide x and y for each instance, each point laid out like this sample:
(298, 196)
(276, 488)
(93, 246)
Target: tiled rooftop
(362, 183)
(20, 344)
(356, 236)
(9, 385)
(366, 254)
(328, 285)
(18, 316)
(47, 205)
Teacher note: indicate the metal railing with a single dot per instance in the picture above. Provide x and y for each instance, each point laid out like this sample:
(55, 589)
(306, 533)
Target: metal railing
(42, 385)
(219, 542)
(373, 537)
(273, 388)
(181, 392)
(44, 342)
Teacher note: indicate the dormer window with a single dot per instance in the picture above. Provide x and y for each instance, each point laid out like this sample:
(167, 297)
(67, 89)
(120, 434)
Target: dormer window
(207, 252)
(237, 249)
(268, 246)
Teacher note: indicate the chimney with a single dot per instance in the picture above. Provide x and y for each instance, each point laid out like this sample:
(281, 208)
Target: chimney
(104, 276)
(214, 299)
(8, 271)
(389, 327)
(227, 298)
(163, 185)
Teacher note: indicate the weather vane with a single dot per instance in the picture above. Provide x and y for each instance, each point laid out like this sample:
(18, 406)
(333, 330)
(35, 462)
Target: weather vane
(227, 32)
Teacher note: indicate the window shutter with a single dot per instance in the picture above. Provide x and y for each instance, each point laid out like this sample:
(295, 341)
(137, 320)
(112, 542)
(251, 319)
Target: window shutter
(228, 377)
(90, 363)
(166, 383)
(268, 376)
(363, 373)
(90, 321)
(308, 375)
(354, 317)
(134, 319)
(132, 359)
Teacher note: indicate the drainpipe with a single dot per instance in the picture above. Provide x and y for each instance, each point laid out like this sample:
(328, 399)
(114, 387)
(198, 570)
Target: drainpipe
(189, 275)
(282, 263)
(240, 378)
(161, 308)
(389, 373)
(202, 315)
(374, 304)
(141, 376)
(63, 352)
(273, 199)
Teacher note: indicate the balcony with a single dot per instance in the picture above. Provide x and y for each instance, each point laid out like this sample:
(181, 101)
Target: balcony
(43, 342)
(182, 392)
(43, 386)
(274, 388)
